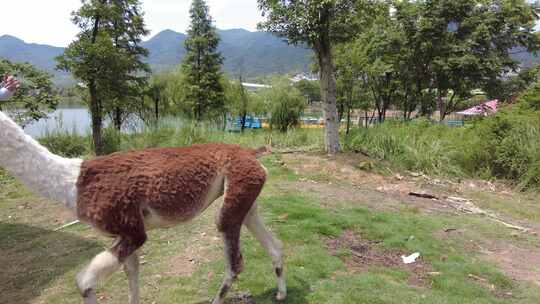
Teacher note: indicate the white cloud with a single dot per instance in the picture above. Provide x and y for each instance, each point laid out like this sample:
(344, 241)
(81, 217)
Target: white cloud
(49, 22)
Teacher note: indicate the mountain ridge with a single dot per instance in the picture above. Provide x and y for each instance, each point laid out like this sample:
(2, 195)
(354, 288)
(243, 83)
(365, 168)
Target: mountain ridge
(248, 53)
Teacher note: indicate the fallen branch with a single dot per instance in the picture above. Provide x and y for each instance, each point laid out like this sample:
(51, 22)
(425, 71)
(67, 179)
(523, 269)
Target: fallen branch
(67, 225)
(466, 206)
(291, 151)
(423, 195)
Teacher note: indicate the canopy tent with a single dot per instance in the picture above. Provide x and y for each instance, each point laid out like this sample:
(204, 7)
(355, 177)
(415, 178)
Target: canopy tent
(483, 109)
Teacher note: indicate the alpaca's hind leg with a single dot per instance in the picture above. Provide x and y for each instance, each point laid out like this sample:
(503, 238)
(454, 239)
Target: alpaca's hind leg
(273, 246)
(243, 185)
(131, 268)
(233, 262)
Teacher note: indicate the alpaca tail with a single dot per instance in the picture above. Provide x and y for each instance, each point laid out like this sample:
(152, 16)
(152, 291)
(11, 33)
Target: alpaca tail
(262, 151)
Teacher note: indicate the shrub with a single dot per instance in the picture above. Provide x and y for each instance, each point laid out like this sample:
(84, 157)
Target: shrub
(67, 144)
(531, 98)
(285, 105)
(112, 140)
(506, 146)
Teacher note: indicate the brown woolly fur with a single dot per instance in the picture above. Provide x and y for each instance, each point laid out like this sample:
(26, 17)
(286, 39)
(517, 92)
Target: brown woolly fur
(126, 193)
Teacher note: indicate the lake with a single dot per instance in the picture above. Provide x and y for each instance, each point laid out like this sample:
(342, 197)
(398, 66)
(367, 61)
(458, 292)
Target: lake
(65, 119)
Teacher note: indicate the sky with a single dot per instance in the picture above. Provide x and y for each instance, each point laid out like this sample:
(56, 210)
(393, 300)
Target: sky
(49, 22)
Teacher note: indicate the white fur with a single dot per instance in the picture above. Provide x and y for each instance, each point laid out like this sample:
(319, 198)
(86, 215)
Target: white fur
(273, 246)
(49, 175)
(102, 266)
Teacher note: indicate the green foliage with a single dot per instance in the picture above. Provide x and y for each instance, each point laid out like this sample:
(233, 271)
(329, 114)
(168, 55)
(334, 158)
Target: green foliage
(502, 146)
(67, 144)
(308, 22)
(36, 95)
(204, 96)
(531, 98)
(285, 105)
(510, 142)
(310, 89)
(112, 140)
(108, 59)
(430, 55)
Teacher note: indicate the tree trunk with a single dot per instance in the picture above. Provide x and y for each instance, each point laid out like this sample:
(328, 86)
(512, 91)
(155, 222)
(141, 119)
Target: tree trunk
(340, 111)
(441, 105)
(97, 119)
(243, 122)
(349, 106)
(156, 109)
(95, 103)
(328, 92)
(348, 120)
(117, 119)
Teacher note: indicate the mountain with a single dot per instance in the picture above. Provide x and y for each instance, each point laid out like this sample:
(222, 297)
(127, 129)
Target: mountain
(245, 52)
(248, 53)
(40, 55)
(166, 50)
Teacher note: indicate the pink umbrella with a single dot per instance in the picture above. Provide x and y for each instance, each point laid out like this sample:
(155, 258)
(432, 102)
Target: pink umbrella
(484, 109)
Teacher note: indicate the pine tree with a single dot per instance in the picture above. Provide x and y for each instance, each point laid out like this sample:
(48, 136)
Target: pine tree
(202, 64)
(107, 57)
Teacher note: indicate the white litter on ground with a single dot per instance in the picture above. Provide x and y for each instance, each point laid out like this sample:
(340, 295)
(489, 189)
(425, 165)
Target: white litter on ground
(410, 259)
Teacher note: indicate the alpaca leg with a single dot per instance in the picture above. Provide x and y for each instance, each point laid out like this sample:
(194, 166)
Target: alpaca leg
(233, 261)
(273, 246)
(131, 268)
(101, 267)
(107, 262)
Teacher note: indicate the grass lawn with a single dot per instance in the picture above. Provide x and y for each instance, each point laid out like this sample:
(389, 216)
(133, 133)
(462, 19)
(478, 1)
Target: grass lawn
(338, 249)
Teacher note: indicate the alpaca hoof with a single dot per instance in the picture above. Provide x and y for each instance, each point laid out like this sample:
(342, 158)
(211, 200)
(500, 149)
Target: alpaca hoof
(281, 296)
(89, 297)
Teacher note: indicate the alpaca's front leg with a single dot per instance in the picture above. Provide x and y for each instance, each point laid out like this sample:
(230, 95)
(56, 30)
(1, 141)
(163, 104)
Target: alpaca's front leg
(131, 268)
(101, 267)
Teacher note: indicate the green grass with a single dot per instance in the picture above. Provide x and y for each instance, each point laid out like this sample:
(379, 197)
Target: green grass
(175, 132)
(503, 146)
(40, 265)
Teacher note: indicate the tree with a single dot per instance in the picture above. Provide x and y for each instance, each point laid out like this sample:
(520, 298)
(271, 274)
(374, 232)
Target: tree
(465, 45)
(284, 104)
(311, 89)
(320, 24)
(432, 54)
(107, 58)
(35, 97)
(238, 101)
(202, 64)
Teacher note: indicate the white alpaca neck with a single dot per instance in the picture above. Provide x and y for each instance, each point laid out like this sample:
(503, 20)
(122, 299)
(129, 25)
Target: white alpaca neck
(47, 174)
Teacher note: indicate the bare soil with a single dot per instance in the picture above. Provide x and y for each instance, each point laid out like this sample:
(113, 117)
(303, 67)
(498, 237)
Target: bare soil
(366, 254)
(342, 178)
(521, 264)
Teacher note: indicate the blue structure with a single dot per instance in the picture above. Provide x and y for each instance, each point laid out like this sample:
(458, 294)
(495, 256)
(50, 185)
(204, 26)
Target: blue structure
(251, 123)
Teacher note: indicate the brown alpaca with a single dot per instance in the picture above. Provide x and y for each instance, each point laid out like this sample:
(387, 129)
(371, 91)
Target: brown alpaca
(125, 194)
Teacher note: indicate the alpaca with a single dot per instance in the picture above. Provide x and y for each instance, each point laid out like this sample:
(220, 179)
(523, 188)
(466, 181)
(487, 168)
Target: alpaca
(123, 195)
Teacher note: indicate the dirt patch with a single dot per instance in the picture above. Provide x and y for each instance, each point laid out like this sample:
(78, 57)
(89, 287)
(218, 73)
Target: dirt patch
(339, 167)
(366, 254)
(339, 178)
(202, 249)
(521, 264)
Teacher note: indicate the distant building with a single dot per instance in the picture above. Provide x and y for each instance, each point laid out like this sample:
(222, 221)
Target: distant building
(304, 76)
(255, 86)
